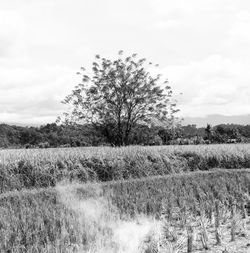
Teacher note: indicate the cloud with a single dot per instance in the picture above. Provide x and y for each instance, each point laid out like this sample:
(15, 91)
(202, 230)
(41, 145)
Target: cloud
(237, 38)
(33, 92)
(36, 70)
(241, 25)
(180, 8)
(167, 24)
(212, 85)
(11, 29)
(202, 47)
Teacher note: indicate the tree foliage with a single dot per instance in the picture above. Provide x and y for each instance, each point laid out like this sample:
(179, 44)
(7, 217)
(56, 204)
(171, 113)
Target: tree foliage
(118, 94)
(53, 135)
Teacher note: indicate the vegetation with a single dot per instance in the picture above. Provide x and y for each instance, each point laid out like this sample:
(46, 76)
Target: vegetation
(50, 135)
(79, 217)
(46, 167)
(134, 199)
(119, 94)
(190, 192)
(53, 135)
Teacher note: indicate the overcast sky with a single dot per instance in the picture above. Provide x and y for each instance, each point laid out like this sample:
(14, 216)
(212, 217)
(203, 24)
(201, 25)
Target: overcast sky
(203, 48)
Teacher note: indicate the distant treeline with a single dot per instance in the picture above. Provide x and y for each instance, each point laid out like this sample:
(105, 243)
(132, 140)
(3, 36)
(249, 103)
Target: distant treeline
(53, 135)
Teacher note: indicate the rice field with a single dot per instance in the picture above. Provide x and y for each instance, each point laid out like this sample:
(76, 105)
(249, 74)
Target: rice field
(125, 200)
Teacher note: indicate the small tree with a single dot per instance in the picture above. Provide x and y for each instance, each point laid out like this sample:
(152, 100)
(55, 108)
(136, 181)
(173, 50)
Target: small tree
(118, 94)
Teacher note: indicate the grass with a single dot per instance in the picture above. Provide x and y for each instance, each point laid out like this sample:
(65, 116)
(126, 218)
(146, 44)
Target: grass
(190, 192)
(37, 168)
(83, 217)
(132, 198)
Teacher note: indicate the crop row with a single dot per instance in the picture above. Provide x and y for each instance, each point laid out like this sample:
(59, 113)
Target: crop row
(49, 217)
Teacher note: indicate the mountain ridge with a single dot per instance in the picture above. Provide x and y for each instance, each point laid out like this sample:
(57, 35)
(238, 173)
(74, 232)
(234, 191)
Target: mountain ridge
(217, 119)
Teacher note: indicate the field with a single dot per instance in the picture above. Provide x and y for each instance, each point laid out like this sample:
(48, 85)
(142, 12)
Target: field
(125, 200)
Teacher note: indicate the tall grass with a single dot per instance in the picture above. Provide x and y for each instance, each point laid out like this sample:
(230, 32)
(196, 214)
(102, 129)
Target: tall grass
(43, 168)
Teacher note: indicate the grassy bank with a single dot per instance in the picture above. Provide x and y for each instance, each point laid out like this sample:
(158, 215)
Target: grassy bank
(66, 217)
(43, 168)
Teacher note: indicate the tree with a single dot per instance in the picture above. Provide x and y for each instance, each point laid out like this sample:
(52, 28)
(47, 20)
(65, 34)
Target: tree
(118, 94)
(208, 131)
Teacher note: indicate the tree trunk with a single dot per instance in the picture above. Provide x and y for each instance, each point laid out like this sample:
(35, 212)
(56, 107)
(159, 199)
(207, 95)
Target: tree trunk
(119, 141)
(126, 139)
(127, 131)
(119, 131)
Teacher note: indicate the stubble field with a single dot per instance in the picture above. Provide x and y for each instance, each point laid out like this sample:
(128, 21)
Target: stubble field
(125, 200)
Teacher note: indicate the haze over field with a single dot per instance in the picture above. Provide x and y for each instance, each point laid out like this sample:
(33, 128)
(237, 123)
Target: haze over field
(202, 47)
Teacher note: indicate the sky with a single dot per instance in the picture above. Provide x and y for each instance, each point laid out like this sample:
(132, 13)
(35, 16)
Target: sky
(202, 47)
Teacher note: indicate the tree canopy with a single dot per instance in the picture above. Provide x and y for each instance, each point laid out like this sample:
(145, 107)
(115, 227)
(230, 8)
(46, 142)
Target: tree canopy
(118, 94)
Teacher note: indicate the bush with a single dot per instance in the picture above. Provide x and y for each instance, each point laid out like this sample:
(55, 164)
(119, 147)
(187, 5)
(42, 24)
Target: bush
(44, 145)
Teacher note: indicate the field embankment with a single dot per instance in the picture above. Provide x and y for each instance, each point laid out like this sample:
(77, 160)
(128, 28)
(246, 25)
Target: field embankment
(37, 168)
(76, 216)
